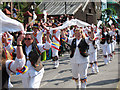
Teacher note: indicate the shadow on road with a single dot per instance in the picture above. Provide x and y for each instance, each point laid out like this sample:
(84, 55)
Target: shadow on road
(46, 69)
(101, 65)
(89, 74)
(100, 61)
(68, 70)
(104, 82)
(98, 66)
(16, 82)
(65, 79)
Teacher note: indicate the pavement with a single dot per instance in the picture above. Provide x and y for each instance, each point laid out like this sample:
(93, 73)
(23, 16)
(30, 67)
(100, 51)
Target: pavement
(108, 77)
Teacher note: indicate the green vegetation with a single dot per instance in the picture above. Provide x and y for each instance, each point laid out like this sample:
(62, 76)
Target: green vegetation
(22, 8)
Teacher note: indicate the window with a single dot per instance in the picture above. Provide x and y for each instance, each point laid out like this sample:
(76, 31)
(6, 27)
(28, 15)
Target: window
(89, 10)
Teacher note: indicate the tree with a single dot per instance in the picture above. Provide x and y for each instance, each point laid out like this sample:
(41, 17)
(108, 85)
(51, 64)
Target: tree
(109, 11)
(106, 13)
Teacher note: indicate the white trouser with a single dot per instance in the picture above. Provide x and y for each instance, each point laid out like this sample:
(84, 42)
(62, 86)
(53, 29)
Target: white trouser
(32, 82)
(93, 56)
(106, 52)
(115, 43)
(106, 49)
(112, 46)
(98, 45)
(79, 70)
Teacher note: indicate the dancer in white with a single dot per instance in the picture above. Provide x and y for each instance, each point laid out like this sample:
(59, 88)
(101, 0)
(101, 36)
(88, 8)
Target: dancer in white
(79, 56)
(12, 66)
(106, 46)
(56, 39)
(32, 78)
(93, 53)
(38, 33)
(113, 40)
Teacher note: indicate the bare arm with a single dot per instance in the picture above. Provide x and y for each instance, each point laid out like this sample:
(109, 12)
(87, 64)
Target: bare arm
(19, 46)
(26, 27)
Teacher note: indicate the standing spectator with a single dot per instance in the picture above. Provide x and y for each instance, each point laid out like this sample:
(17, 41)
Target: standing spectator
(15, 12)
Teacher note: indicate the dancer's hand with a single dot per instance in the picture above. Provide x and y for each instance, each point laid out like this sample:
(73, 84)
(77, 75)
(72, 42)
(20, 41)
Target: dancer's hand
(20, 38)
(5, 39)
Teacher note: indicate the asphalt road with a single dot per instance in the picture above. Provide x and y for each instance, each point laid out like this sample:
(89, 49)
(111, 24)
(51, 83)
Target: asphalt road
(108, 77)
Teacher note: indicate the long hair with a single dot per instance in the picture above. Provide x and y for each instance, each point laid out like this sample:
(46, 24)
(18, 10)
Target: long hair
(33, 57)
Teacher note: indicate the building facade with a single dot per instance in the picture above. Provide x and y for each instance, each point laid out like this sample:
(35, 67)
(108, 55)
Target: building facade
(91, 14)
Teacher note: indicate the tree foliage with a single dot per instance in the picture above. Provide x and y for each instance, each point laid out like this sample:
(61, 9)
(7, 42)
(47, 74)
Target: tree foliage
(109, 11)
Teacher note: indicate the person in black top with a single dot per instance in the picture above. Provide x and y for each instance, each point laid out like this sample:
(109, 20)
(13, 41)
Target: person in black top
(106, 46)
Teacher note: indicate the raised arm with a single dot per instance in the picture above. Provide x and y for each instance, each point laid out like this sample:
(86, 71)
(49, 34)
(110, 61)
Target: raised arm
(47, 45)
(10, 37)
(20, 60)
(19, 46)
(8, 45)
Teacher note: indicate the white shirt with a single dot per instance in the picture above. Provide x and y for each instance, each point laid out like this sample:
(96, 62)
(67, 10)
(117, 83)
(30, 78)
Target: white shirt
(16, 64)
(39, 36)
(28, 49)
(91, 47)
(78, 58)
(32, 72)
(57, 34)
(112, 33)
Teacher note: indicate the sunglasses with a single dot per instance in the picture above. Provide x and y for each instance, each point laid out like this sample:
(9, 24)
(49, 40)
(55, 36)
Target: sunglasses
(27, 38)
(89, 32)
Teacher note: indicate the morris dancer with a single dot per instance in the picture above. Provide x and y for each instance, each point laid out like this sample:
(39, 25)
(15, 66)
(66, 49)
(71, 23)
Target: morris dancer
(106, 46)
(32, 78)
(38, 33)
(9, 40)
(93, 53)
(56, 39)
(79, 56)
(113, 40)
(12, 66)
